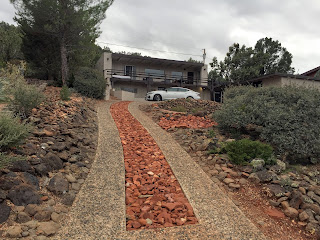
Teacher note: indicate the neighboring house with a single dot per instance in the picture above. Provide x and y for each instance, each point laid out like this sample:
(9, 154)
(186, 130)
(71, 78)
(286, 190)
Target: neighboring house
(280, 80)
(312, 72)
(130, 77)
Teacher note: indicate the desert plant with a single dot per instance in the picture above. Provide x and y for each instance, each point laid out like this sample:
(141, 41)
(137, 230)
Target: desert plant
(244, 150)
(24, 98)
(12, 132)
(65, 93)
(288, 118)
(179, 108)
(90, 82)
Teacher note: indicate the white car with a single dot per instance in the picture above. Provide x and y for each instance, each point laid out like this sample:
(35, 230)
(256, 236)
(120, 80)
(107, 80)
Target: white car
(172, 93)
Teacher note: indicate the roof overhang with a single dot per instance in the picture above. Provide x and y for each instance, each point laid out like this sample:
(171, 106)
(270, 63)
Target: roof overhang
(156, 62)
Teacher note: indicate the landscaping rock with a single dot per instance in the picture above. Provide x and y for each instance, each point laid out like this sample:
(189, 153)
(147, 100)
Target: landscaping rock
(23, 217)
(276, 190)
(58, 185)
(43, 216)
(52, 161)
(265, 176)
(31, 180)
(291, 212)
(14, 232)
(4, 212)
(48, 228)
(21, 166)
(23, 195)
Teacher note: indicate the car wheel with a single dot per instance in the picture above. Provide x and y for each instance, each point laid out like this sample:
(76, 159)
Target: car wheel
(189, 97)
(157, 97)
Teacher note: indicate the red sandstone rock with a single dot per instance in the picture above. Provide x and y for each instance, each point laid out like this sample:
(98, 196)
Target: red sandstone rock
(149, 175)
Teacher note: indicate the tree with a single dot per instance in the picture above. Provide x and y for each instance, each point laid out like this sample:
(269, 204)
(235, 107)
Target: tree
(244, 63)
(64, 30)
(10, 43)
(193, 60)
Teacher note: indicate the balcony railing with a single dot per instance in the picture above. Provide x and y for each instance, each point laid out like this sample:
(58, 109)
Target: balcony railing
(165, 79)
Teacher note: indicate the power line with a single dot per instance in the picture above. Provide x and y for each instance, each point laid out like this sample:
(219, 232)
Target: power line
(188, 54)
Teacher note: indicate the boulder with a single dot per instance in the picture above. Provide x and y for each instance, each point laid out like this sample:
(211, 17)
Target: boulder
(265, 176)
(31, 180)
(41, 169)
(59, 146)
(58, 185)
(296, 199)
(21, 166)
(23, 217)
(23, 195)
(4, 212)
(43, 216)
(48, 228)
(14, 232)
(276, 190)
(52, 161)
(291, 212)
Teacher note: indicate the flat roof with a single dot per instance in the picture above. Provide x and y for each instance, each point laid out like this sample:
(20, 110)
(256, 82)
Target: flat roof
(284, 75)
(155, 61)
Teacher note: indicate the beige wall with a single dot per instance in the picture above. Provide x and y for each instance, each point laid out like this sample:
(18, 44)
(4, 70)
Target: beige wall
(272, 82)
(124, 95)
(300, 83)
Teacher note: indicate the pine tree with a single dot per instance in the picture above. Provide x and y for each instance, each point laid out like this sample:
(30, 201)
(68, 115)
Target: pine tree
(59, 32)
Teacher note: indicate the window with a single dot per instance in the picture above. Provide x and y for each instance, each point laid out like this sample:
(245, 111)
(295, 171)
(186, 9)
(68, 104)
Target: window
(176, 75)
(130, 70)
(182, 90)
(155, 72)
(172, 90)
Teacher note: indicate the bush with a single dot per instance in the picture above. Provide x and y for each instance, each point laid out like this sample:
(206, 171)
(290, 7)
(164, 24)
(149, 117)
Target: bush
(12, 132)
(90, 82)
(65, 93)
(245, 150)
(288, 118)
(179, 108)
(24, 99)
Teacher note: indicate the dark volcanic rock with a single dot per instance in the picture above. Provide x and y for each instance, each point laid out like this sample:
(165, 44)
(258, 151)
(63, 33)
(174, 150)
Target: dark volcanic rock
(276, 190)
(3, 195)
(59, 146)
(58, 185)
(265, 176)
(21, 166)
(31, 180)
(41, 169)
(23, 195)
(296, 199)
(68, 199)
(53, 161)
(4, 212)
(6, 183)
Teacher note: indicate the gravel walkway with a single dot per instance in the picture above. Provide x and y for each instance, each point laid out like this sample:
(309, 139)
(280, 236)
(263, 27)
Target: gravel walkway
(99, 209)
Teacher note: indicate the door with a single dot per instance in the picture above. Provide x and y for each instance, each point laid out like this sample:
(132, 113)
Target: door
(130, 71)
(190, 78)
(171, 93)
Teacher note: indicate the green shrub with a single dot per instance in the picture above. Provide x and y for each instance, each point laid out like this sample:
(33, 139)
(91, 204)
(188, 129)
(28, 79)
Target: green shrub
(12, 132)
(288, 118)
(90, 82)
(6, 160)
(179, 109)
(24, 98)
(65, 93)
(243, 151)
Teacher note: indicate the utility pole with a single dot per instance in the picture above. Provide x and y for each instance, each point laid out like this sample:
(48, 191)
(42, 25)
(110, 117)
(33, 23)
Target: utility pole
(204, 56)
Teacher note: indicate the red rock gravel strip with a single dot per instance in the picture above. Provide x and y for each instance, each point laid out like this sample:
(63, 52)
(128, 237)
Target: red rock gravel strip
(154, 197)
(185, 122)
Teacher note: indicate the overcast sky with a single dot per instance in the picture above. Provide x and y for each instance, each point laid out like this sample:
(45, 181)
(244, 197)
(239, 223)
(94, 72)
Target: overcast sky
(188, 26)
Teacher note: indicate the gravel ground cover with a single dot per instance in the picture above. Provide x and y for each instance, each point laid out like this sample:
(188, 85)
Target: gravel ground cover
(154, 197)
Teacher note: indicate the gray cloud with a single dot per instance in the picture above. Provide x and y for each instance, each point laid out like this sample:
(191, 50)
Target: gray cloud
(187, 26)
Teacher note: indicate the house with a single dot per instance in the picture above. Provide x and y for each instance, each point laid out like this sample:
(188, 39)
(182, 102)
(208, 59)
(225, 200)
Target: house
(130, 77)
(282, 79)
(312, 72)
